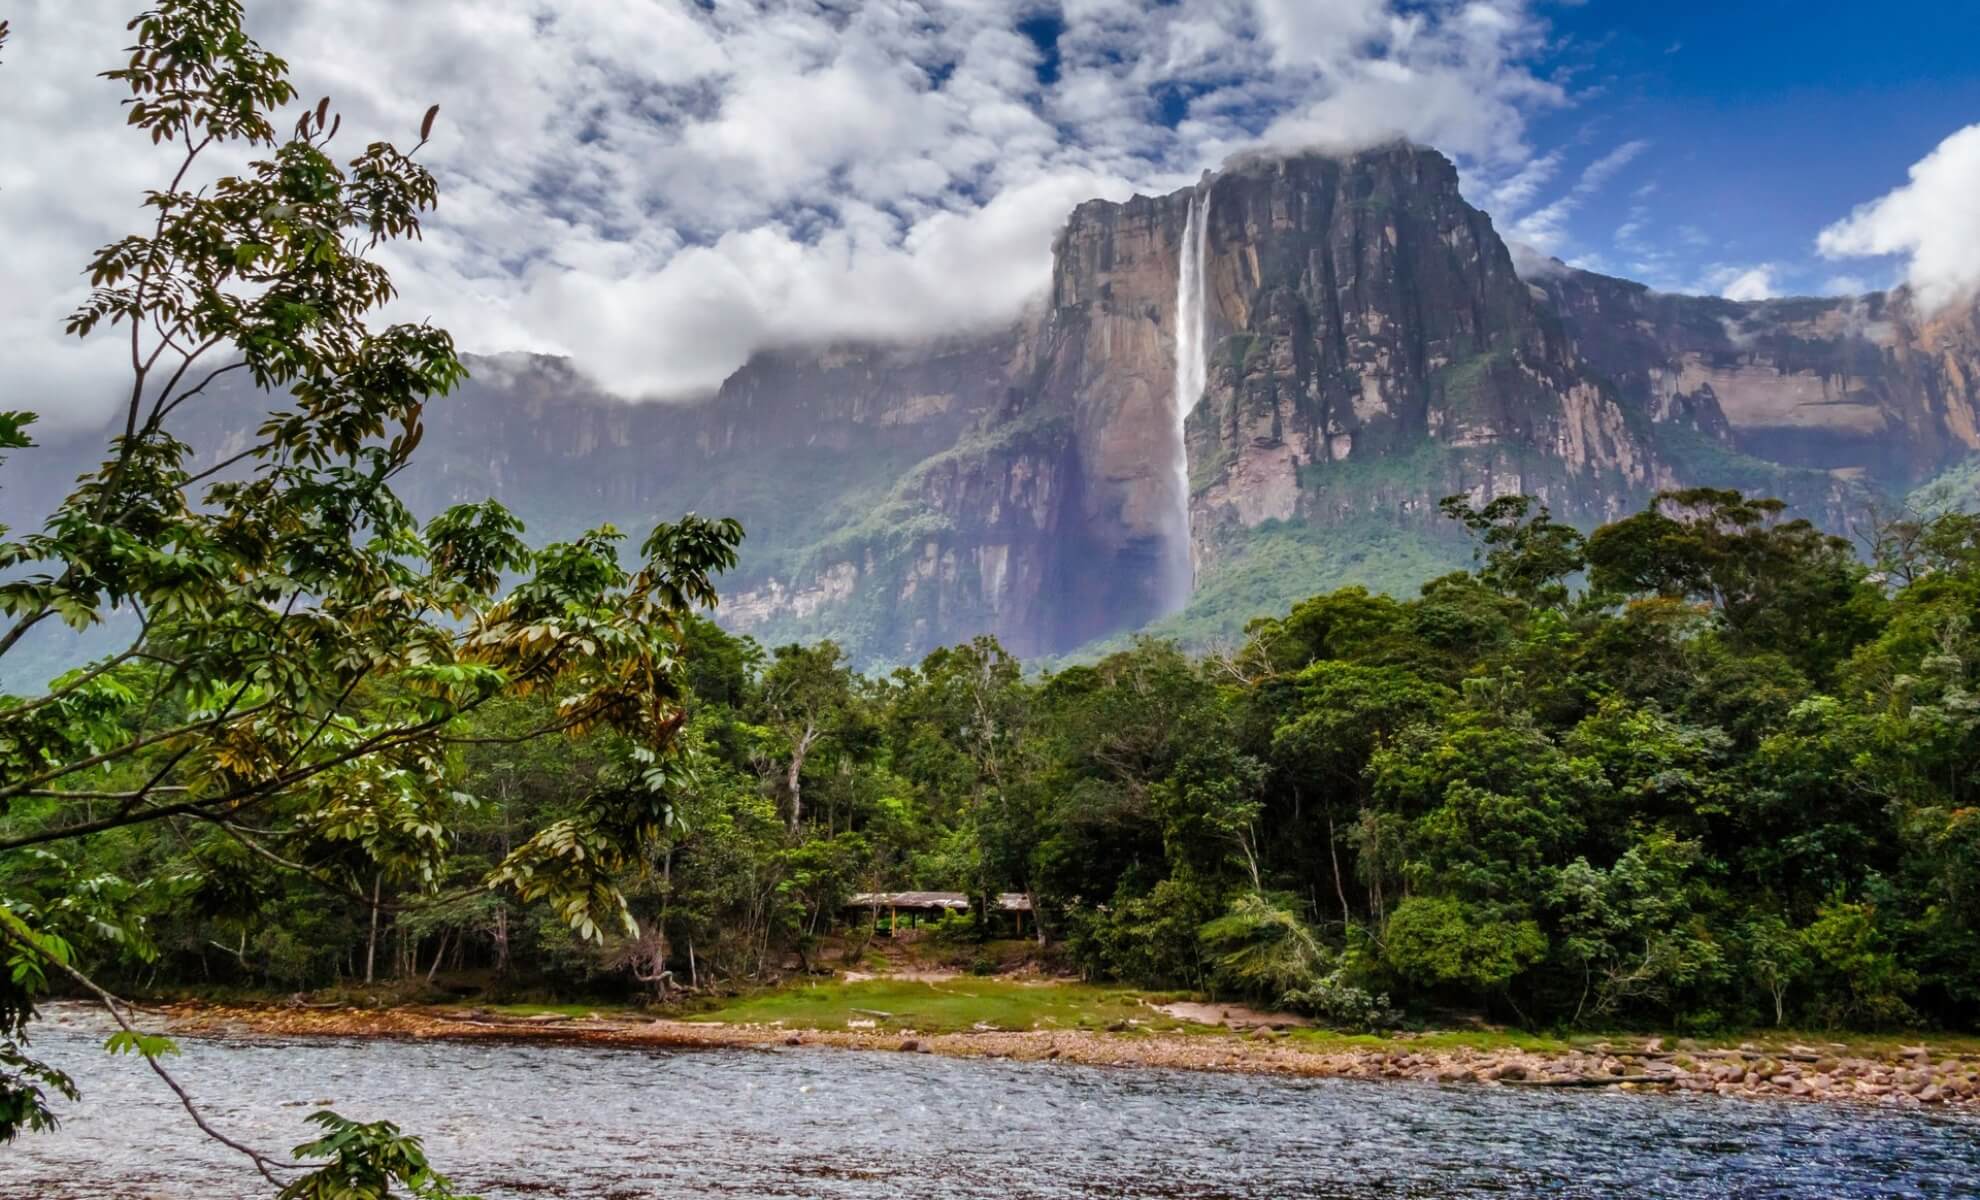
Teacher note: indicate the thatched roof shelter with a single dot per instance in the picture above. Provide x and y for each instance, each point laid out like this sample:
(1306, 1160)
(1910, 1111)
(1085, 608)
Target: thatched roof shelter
(1010, 902)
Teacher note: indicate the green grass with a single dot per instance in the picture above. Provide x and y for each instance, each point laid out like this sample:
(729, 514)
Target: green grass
(1324, 1040)
(1865, 1045)
(1862, 1044)
(965, 1004)
(950, 1006)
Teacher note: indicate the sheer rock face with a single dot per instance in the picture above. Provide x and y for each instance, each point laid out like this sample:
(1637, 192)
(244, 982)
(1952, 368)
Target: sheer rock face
(985, 537)
(1356, 308)
(1107, 357)
(966, 528)
(1361, 311)
(1370, 349)
(1860, 384)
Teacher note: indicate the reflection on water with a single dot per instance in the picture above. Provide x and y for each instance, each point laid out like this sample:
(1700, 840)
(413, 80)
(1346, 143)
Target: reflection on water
(514, 1121)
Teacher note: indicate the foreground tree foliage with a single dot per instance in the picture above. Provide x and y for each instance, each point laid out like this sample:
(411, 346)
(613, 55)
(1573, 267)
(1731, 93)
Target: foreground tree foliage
(307, 658)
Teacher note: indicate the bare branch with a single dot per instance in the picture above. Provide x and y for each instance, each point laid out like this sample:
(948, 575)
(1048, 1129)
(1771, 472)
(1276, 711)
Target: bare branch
(117, 1008)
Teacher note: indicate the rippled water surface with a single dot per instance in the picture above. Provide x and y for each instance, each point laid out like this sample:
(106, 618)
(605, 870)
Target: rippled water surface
(515, 1121)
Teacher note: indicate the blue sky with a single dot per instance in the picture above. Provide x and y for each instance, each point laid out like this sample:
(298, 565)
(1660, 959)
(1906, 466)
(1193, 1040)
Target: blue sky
(1765, 120)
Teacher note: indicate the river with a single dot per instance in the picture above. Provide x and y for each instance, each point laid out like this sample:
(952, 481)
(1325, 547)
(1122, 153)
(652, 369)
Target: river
(516, 1121)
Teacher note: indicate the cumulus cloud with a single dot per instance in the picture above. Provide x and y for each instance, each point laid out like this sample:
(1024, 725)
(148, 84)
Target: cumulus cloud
(657, 188)
(1742, 281)
(1934, 221)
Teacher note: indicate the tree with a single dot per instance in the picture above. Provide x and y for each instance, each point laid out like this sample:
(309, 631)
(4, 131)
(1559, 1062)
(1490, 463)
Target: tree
(1444, 942)
(1777, 957)
(1526, 552)
(305, 652)
(1633, 928)
(1772, 581)
(961, 726)
(1263, 948)
(807, 695)
(1339, 716)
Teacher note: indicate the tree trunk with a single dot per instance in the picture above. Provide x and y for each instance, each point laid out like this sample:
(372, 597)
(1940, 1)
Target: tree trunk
(501, 939)
(371, 943)
(439, 953)
(799, 748)
(1340, 889)
(1244, 841)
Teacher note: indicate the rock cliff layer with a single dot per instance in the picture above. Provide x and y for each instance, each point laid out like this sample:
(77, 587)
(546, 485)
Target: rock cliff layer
(1368, 348)
(1862, 384)
(1364, 313)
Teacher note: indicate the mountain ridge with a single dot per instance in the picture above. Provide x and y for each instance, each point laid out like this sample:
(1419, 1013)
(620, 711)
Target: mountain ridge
(1370, 346)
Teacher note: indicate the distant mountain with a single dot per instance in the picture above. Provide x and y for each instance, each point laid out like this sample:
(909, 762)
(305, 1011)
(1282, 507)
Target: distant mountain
(1355, 344)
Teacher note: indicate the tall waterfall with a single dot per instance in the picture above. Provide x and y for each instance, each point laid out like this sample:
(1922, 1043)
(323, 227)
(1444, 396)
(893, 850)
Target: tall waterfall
(1192, 375)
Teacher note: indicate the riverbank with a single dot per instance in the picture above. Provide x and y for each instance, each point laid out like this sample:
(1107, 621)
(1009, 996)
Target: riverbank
(530, 1117)
(1883, 1072)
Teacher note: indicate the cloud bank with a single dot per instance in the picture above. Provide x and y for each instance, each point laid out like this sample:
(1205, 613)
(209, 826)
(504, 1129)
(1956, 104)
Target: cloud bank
(658, 188)
(1934, 221)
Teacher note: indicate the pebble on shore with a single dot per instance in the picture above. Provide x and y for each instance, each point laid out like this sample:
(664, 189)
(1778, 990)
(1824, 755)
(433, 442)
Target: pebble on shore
(1912, 1075)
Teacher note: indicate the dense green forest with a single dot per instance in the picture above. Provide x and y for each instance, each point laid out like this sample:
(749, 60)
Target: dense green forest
(1702, 768)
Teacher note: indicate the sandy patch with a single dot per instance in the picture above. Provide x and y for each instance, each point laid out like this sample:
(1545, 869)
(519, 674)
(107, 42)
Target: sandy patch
(909, 976)
(1232, 1016)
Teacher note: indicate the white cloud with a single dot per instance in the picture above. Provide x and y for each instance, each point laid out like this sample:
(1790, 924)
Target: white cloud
(1934, 220)
(1530, 263)
(1604, 168)
(1546, 227)
(1511, 195)
(1737, 281)
(659, 187)
(1629, 234)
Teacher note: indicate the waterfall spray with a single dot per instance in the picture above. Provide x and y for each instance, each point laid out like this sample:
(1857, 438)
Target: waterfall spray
(1192, 376)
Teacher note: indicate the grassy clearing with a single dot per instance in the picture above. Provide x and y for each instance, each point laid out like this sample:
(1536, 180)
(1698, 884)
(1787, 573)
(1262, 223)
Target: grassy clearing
(1867, 1045)
(1440, 1039)
(949, 1006)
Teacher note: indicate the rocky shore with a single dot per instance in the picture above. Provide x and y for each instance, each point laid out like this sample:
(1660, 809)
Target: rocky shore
(1903, 1075)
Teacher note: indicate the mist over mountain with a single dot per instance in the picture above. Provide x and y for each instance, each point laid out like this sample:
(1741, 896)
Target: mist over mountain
(1356, 343)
